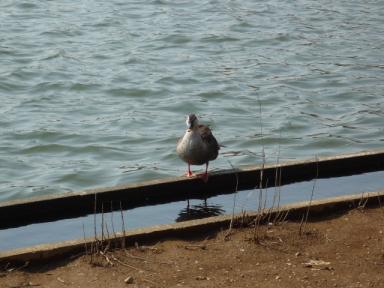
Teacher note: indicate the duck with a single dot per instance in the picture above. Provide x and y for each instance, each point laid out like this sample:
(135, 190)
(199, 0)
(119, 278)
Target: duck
(198, 146)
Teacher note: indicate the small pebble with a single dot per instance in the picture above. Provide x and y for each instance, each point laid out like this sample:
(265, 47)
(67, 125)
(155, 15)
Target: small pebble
(128, 280)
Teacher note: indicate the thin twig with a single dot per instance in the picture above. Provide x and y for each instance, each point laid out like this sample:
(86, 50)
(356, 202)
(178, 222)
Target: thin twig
(25, 285)
(102, 224)
(310, 200)
(106, 258)
(123, 226)
(106, 248)
(134, 256)
(94, 248)
(149, 281)
(125, 264)
(258, 217)
(85, 242)
(112, 223)
(234, 198)
(277, 190)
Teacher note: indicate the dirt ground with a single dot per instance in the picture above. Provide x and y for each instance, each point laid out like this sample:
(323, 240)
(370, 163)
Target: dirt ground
(344, 251)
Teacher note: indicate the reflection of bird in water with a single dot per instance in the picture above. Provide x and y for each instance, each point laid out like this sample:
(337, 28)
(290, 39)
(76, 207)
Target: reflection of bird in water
(199, 211)
(198, 146)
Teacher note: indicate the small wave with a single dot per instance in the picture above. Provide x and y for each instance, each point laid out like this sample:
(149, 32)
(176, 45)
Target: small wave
(46, 149)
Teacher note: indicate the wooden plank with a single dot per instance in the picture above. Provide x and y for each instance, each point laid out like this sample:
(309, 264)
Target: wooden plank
(74, 204)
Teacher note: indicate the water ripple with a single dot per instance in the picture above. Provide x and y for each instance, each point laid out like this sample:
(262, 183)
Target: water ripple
(95, 93)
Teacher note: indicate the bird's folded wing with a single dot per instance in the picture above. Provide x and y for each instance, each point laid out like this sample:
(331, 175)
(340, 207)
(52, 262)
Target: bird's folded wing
(207, 137)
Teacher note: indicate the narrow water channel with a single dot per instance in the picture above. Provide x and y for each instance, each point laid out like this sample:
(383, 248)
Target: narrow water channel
(246, 200)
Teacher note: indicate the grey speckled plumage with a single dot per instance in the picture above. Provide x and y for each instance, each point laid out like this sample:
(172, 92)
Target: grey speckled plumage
(198, 146)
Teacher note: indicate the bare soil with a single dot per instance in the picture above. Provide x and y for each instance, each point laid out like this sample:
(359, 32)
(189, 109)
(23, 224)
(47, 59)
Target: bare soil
(341, 251)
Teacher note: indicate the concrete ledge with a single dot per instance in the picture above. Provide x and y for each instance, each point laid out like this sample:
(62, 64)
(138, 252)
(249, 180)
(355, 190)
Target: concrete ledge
(318, 208)
(76, 204)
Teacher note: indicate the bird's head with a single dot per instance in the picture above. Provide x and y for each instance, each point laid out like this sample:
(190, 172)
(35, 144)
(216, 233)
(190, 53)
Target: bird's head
(192, 121)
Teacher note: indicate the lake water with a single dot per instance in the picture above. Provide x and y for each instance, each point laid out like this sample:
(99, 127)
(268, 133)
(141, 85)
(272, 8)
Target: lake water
(95, 93)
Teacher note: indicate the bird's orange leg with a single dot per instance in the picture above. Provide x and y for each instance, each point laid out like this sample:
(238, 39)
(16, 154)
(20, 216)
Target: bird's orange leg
(189, 172)
(205, 175)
